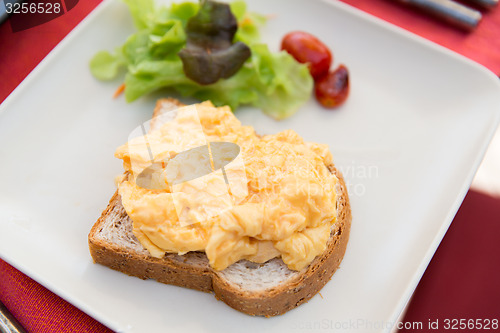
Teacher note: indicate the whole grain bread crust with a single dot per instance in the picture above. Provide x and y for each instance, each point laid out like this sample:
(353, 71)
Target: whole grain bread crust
(180, 270)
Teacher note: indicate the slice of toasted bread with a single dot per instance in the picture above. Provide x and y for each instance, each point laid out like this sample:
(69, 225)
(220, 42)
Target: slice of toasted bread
(266, 289)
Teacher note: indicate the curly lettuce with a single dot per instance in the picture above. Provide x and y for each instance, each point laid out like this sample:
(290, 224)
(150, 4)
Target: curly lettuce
(273, 82)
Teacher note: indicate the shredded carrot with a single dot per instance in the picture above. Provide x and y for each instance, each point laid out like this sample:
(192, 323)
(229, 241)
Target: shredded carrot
(320, 294)
(119, 91)
(245, 21)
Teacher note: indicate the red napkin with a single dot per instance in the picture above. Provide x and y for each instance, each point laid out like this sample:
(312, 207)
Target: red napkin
(482, 45)
(460, 282)
(21, 51)
(38, 310)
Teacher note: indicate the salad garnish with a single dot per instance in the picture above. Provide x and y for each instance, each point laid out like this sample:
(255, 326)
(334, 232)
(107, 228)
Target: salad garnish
(272, 81)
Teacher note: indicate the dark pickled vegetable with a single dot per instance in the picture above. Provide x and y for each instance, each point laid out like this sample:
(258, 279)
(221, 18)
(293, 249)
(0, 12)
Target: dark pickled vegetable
(332, 90)
(209, 54)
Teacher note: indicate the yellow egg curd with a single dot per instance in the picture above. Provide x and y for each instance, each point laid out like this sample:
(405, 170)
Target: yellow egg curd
(276, 199)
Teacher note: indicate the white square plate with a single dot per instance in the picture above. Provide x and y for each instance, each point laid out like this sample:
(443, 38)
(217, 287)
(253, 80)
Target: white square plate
(408, 140)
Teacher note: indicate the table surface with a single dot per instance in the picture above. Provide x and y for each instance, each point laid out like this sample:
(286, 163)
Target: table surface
(461, 282)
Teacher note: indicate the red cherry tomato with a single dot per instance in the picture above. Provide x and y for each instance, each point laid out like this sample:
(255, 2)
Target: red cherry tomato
(332, 90)
(306, 48)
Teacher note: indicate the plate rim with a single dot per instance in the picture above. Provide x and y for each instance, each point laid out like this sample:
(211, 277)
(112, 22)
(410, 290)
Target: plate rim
(372, 19)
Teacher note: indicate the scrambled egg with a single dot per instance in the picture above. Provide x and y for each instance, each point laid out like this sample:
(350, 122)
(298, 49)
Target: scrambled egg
(275, 199)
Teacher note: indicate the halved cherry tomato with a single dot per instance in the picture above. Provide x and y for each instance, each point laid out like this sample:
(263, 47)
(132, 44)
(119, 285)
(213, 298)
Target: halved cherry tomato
(332, 90)
(306, 48)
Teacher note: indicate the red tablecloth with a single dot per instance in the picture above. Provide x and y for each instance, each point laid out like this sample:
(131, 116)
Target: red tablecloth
(460, 282)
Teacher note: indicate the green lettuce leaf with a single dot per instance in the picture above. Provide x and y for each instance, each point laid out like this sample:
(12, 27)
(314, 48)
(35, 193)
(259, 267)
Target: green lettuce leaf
(248, 23)
(276, 83)
(142, 12)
